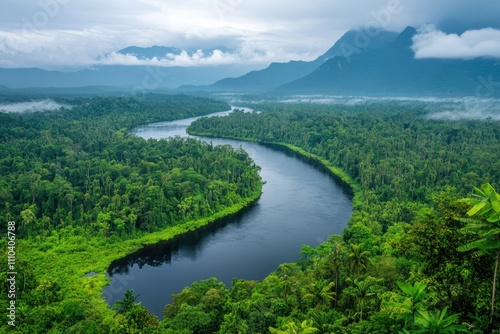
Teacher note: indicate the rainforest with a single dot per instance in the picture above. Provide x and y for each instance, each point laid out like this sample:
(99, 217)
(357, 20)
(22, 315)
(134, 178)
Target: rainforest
(420, 253)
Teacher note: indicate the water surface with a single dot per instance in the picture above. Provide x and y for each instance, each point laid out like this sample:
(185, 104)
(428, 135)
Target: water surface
(299, 205)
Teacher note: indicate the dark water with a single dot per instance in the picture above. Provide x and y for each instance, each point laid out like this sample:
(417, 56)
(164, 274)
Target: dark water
(299, 205)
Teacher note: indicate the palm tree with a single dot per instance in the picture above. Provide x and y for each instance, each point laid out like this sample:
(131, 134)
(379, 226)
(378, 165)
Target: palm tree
(485, 223)
(359, 258)
(335, 259)
(306, 327)
(413, 301)
(325, 321)
(438, 323)
(319, 293)
(286, 273)
(362, 291)
(416, 295)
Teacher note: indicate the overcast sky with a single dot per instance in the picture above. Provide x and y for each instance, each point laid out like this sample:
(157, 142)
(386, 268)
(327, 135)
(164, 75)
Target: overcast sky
(69, 33)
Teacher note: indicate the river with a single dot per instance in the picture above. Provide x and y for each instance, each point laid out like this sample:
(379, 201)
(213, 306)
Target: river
(299, 205)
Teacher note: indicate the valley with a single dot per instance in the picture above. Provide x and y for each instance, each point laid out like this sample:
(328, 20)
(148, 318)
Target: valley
(226, 166)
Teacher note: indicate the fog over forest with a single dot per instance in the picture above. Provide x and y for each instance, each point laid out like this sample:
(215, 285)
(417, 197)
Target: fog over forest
(32, 106)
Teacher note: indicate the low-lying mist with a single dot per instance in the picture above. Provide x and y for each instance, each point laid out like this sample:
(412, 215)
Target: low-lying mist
(454, 109)
(32, 106)
(468, 108)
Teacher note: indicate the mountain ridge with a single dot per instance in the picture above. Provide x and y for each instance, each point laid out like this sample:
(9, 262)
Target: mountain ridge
(277, 74)
(394, 70)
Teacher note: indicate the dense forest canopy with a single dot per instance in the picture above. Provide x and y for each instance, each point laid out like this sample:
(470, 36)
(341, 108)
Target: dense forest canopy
(76, 182)
(414, 259)
(80, 167)
(398, 266)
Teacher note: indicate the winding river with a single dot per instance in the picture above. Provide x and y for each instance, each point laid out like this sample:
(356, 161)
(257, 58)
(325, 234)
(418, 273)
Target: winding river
(299, 205)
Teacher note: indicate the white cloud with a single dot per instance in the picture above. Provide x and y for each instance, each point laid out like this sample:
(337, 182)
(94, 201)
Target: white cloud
(197, 58)
(249, 54)
(60, 33)
(433, 43)
(55, 49)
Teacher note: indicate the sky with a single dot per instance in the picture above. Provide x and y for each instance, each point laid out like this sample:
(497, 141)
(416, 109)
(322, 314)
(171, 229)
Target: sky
(55, 34)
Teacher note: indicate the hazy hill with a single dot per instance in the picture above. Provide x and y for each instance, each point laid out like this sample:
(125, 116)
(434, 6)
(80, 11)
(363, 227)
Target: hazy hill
(133, 77)
(393, 70)
(125, 77)
(278, 74)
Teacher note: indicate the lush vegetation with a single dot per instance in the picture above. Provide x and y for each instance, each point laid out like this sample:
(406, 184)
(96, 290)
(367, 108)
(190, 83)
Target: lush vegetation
(416, 257)
(405, 263)
(84, 192)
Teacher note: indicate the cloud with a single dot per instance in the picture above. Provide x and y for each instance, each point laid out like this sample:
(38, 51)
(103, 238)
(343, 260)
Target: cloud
(61, 33)
(248, 53)
(32, 106)
(197, 58)
(433, 43)
(468, 108)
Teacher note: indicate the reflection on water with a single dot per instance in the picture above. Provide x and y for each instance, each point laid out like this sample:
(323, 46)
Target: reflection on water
(161, 253)
(299, 205)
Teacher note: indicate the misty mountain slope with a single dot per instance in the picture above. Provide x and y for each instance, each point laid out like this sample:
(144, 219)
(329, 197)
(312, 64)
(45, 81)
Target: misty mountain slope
(131, 77)
(278, 74)
(393, 70)
(272, 76)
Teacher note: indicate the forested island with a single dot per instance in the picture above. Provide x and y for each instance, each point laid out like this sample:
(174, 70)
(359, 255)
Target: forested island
(415, 258)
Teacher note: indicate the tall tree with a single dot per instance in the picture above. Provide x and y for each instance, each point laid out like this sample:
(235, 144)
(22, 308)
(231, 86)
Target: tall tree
(485, 223)
(359, 258)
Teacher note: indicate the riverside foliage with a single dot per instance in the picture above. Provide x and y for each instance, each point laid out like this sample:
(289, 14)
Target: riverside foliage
(83, 192)
(397, 267)
(400, 266)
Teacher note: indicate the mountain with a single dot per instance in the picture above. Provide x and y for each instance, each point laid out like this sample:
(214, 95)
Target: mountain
(269, 78)
(125, 77)
(393, 70)
(278, 74)
(134, 77)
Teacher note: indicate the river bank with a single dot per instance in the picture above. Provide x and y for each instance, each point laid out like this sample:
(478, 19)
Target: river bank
(302, 203)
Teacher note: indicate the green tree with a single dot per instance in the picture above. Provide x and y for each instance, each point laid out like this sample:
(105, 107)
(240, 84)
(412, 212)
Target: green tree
(126, 304)
(319, 294)
(362, 290)
(306, 327)
(415, 300)
(28, 218)
(485, 223)
(359, 258)
(438, 322)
